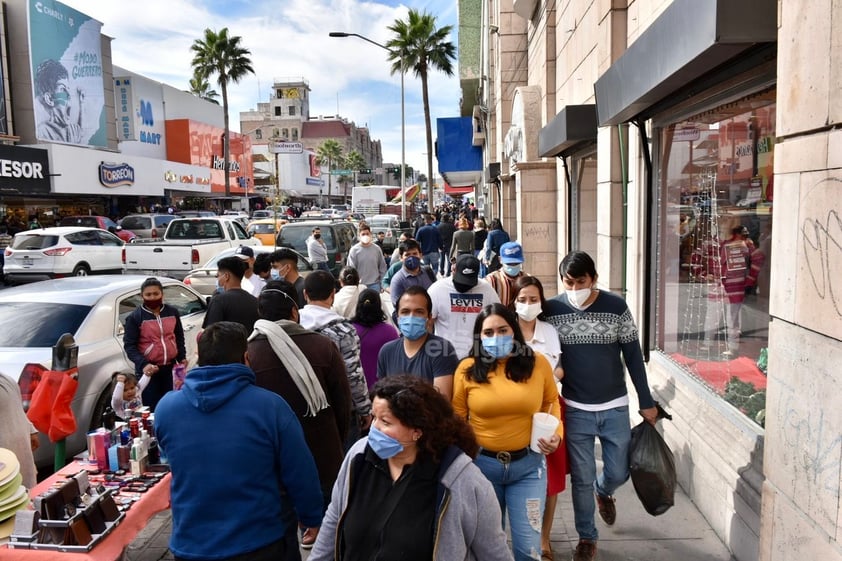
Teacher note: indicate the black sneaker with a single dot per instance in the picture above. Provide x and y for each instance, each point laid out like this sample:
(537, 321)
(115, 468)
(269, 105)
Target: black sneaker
(607, 509)
(585, 551)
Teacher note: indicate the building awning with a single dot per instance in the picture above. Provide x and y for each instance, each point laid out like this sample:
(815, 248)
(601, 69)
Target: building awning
(572, 126)
(450, 190)
(689, 39)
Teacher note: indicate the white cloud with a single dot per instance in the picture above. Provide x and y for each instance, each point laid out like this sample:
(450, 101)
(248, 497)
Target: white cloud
(290, 39)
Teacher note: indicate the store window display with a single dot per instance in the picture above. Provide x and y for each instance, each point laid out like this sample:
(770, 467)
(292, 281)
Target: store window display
(717, 188)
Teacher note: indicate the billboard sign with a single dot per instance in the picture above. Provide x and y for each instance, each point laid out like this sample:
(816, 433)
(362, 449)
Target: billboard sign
(24, 171)
(67, 87)
(124, 108)
(279, 147)
(140, 102)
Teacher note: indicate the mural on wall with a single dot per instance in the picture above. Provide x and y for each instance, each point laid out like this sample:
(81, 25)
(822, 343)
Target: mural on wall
(67, 87)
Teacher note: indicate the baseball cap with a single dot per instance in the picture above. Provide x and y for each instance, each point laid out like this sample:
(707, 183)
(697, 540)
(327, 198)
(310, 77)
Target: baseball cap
(244, 252)
(511, 252)
(466, 271)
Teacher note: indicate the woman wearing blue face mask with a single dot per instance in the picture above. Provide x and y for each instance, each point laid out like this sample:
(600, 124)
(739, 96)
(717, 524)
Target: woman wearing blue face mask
(497, 389)
(409, 490)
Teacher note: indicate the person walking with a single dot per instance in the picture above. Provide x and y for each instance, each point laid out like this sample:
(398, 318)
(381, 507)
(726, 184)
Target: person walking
(374, 329)
(368, 260)
(154, 341)
(430, 239)
(305, 369)
(446, 231)
(491, 248)
(238, 458)
(409, 490)
(503, 279)
(498, 389)
(232, 302)
(599, 341)
(463, 240)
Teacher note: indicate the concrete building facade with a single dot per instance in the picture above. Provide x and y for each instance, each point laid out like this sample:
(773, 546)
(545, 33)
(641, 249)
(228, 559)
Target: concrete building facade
(690, 145)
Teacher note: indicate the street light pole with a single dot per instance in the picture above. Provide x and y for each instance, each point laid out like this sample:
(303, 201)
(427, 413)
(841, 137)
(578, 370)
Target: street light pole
(403, 114)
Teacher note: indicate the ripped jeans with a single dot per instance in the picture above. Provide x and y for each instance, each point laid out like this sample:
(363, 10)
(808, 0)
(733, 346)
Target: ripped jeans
(521, 488)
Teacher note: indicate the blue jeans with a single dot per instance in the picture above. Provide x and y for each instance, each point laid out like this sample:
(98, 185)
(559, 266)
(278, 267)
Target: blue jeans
(323, 266)
(614, 431)
(521, 488)
(431, 259)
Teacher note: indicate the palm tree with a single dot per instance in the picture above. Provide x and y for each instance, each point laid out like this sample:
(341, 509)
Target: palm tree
(223, 56)
(418, 46)
(354, 161)
(200, 87)
(329, 152)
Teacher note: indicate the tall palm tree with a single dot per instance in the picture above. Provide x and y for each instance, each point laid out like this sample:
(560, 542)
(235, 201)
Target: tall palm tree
(418, 46)
(200, 87)
(329, 152)
(217, 54)
(354, 161)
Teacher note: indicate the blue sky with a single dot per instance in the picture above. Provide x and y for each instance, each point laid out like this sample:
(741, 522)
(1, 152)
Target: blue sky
(289, 38)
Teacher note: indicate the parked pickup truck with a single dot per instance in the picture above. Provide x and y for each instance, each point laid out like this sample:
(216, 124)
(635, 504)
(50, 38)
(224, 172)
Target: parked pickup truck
(187, 243)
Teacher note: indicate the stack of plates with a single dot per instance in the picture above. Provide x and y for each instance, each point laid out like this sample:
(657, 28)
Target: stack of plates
(13, 495)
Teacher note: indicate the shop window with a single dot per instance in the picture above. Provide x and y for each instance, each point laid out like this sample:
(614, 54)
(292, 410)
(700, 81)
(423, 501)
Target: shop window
(716, 185)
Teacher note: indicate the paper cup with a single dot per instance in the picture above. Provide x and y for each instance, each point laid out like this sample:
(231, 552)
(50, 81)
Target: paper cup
(544, 426)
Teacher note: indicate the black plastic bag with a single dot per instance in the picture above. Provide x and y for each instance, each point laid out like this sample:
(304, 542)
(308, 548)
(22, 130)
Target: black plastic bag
(652, 467)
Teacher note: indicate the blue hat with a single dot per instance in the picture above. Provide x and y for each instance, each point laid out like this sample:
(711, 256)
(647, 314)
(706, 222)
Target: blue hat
(511, 252)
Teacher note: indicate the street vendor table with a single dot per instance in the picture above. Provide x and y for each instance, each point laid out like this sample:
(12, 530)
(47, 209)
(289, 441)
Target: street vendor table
(156, 499)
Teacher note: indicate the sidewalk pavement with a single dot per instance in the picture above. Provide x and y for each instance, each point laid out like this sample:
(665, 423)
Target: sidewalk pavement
(681, 533)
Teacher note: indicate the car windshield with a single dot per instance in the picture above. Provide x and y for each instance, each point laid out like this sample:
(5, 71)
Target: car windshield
(22, 323)
(33, 241)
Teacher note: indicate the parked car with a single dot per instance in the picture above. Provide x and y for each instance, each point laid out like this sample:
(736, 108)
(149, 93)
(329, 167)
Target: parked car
(258, 214)
(147, 225)
(186, 244)
(338, 236)
(265, 229)
(203, 279)
(50, 253)
(87, 221)
(390, 224)
(93, 310)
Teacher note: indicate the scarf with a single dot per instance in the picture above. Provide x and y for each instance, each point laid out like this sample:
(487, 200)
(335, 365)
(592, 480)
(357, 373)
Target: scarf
(295, 362)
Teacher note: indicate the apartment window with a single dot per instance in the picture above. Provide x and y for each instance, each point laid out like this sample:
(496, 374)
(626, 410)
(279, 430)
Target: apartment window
(292, 110)
(294, 135)
(717, 186)
(258, 134)
(278, 111)
(285, 133)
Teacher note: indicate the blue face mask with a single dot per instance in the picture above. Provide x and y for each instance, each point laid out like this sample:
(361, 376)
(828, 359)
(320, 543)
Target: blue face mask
(413, 328)
(512, 270)
(500, 346)
(412, 263)
(275, 274)
(219, 288)
(383, 445)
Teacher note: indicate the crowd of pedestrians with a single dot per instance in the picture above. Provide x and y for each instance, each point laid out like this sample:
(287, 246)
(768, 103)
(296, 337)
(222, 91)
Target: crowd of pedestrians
(395, 436)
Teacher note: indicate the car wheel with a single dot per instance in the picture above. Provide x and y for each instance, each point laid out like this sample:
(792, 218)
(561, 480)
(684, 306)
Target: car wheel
(81, 270)
(102, 403)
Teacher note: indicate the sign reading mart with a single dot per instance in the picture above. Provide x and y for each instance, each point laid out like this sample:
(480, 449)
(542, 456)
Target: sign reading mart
(286, 148)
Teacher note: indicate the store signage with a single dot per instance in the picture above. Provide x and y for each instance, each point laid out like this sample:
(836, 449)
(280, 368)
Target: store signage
(685, 134)
(286, 148)
(217, 163)
(124, 98)
(170, 176)
(115, 175)
(24, 170)
(316, 182)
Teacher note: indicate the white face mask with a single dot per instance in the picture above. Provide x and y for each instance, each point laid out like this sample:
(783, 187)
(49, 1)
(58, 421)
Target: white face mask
(577, 298)
(365, 239)
(527, 312)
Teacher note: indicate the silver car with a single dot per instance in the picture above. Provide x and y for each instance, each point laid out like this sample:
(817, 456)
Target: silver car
(147, 225)
(203, 279)
(94, 311)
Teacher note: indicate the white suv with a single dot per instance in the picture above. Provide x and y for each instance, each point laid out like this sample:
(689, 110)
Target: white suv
(64, 251)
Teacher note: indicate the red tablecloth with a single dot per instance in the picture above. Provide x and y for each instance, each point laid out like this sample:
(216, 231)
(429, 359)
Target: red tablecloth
(156, 499)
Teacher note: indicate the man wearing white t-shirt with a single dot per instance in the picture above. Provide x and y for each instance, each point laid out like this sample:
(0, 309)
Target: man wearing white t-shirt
(458, 300)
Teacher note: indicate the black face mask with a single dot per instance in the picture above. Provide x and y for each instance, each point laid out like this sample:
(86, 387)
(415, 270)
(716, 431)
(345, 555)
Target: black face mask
(462, 288)
(317, 236)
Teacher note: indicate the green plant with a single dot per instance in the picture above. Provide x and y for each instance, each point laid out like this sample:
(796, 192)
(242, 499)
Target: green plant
(747, 398)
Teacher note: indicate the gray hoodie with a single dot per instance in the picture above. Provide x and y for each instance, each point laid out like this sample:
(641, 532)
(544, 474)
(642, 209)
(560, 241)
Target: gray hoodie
(469, 524)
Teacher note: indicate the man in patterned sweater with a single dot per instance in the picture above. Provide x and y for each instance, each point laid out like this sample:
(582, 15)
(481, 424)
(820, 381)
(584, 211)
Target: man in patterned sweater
(598, 335)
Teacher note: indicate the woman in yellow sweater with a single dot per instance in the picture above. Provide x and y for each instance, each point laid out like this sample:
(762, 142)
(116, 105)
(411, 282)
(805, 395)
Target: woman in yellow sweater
(497, 389)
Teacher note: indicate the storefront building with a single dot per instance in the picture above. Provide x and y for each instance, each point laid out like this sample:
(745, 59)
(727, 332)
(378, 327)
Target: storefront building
(102, 127)
(697, 158)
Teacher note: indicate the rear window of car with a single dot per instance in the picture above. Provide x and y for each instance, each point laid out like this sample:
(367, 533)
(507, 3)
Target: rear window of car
(136, 223)
(163, 220)
(194, 229)
(262, 228)
(296, 237)
(22, 323)
(34, 241)
(87, 221)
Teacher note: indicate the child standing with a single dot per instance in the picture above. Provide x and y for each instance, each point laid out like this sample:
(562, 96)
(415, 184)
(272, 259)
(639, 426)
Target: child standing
(127, 393)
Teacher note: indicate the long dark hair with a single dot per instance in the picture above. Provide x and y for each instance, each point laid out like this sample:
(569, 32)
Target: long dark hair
(521, 362)
(369, 310)
(419, 405)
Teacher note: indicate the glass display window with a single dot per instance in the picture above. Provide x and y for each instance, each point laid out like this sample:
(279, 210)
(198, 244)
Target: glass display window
(716, 184)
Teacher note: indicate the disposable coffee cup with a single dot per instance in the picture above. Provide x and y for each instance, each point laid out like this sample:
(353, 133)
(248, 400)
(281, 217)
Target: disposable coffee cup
(544, 426)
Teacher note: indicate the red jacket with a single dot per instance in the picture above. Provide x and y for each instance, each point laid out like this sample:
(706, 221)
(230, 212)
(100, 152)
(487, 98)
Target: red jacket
(151, 339)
